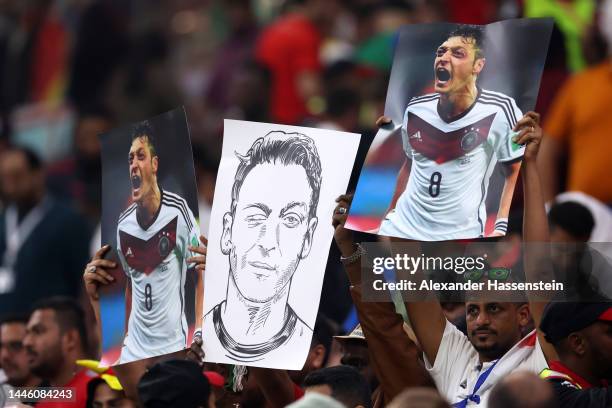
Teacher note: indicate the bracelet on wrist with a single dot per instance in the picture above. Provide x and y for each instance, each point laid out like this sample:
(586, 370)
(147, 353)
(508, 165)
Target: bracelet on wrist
(354, 257)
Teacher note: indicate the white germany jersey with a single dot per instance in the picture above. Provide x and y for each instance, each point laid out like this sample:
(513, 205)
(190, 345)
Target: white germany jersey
(154, 258)
(451, 166)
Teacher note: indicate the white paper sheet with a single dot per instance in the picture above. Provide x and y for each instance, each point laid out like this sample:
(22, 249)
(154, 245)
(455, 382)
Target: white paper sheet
(263, 313)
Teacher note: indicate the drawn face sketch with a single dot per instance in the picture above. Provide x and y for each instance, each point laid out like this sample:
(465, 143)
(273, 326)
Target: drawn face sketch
(267, 232)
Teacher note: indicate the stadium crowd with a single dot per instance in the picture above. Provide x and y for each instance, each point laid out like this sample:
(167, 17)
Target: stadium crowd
(70, 70)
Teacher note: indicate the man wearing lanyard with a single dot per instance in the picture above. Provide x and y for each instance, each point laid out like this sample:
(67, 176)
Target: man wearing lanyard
(34, 263)
(465, 368)
(582, 336)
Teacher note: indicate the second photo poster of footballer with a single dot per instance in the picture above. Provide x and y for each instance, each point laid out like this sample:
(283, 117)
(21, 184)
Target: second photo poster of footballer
(150, 222)
(444, 163)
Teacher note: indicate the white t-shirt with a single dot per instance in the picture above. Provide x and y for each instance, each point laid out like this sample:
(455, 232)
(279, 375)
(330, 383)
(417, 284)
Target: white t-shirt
(457, 367)
(154, 258)
(451, 166)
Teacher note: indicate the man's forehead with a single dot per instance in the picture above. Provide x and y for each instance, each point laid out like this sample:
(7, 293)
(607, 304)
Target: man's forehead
(12, 328)
(42, 316)
(12, 159)
(485, 304)
(138, 143)
(458, 41)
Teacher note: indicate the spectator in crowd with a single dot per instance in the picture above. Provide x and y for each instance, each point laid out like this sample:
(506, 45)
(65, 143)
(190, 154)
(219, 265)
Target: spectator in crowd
(77, 178)
(392, 355)
(35, 62)
(206, 176)
(295, 37)
(466, 368)
(601, 213)
(570, 222)
(572, 19)
(13, 356)
(342, 110)
(234, 52)
(419, 397)
(56, 338)
(354, 349)
(316, 400)
(320, 348)
(577, 127)
(581, 333)
(585, 271)
(342, 383)
(100, 45)
(34, 262)
(277, 388)
(105, 390)
(522, 390)
(177, 383)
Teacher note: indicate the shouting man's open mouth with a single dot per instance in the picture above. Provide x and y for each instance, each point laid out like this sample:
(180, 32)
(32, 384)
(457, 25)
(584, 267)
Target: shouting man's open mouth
(136, 181)
(443, 75)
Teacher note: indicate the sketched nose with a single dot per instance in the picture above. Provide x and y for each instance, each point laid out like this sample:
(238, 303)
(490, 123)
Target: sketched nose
(268, 240)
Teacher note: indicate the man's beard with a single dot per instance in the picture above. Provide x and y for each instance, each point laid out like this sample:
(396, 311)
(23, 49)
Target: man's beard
(493, 351)
(47, 369)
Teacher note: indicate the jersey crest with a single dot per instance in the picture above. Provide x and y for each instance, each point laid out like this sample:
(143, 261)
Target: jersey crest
(441, 146)
(145, 256)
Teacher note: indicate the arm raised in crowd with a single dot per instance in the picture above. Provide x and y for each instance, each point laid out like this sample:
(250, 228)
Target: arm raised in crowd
(393, 355)
(535, 222)
(94, 276)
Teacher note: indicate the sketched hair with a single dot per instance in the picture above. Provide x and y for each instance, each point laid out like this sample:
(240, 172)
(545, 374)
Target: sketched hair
(473, 32)
(278, 147)
(145, 131)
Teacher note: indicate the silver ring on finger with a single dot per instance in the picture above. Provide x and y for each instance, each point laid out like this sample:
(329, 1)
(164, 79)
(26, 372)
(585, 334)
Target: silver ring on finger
(91, 269)
(341, 210)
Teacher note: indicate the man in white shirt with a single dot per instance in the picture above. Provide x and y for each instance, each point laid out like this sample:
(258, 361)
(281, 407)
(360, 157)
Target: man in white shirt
(465, 368)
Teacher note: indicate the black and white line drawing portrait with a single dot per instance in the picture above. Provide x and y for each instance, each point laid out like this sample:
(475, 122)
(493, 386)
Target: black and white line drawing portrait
(268, 230)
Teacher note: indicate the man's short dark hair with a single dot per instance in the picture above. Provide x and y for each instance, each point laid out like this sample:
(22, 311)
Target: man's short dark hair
(347, 385)
(538, 394)
(323, 334)
(572, 217)
(68, 314)
(473, 32)
(279, 147)
(145, 130)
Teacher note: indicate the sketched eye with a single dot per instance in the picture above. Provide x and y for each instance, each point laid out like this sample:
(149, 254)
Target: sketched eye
(291, 220)
(254, 220)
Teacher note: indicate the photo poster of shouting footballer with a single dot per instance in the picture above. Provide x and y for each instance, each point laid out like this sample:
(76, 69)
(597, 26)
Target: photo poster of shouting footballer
(444, 163)
(150, 222)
